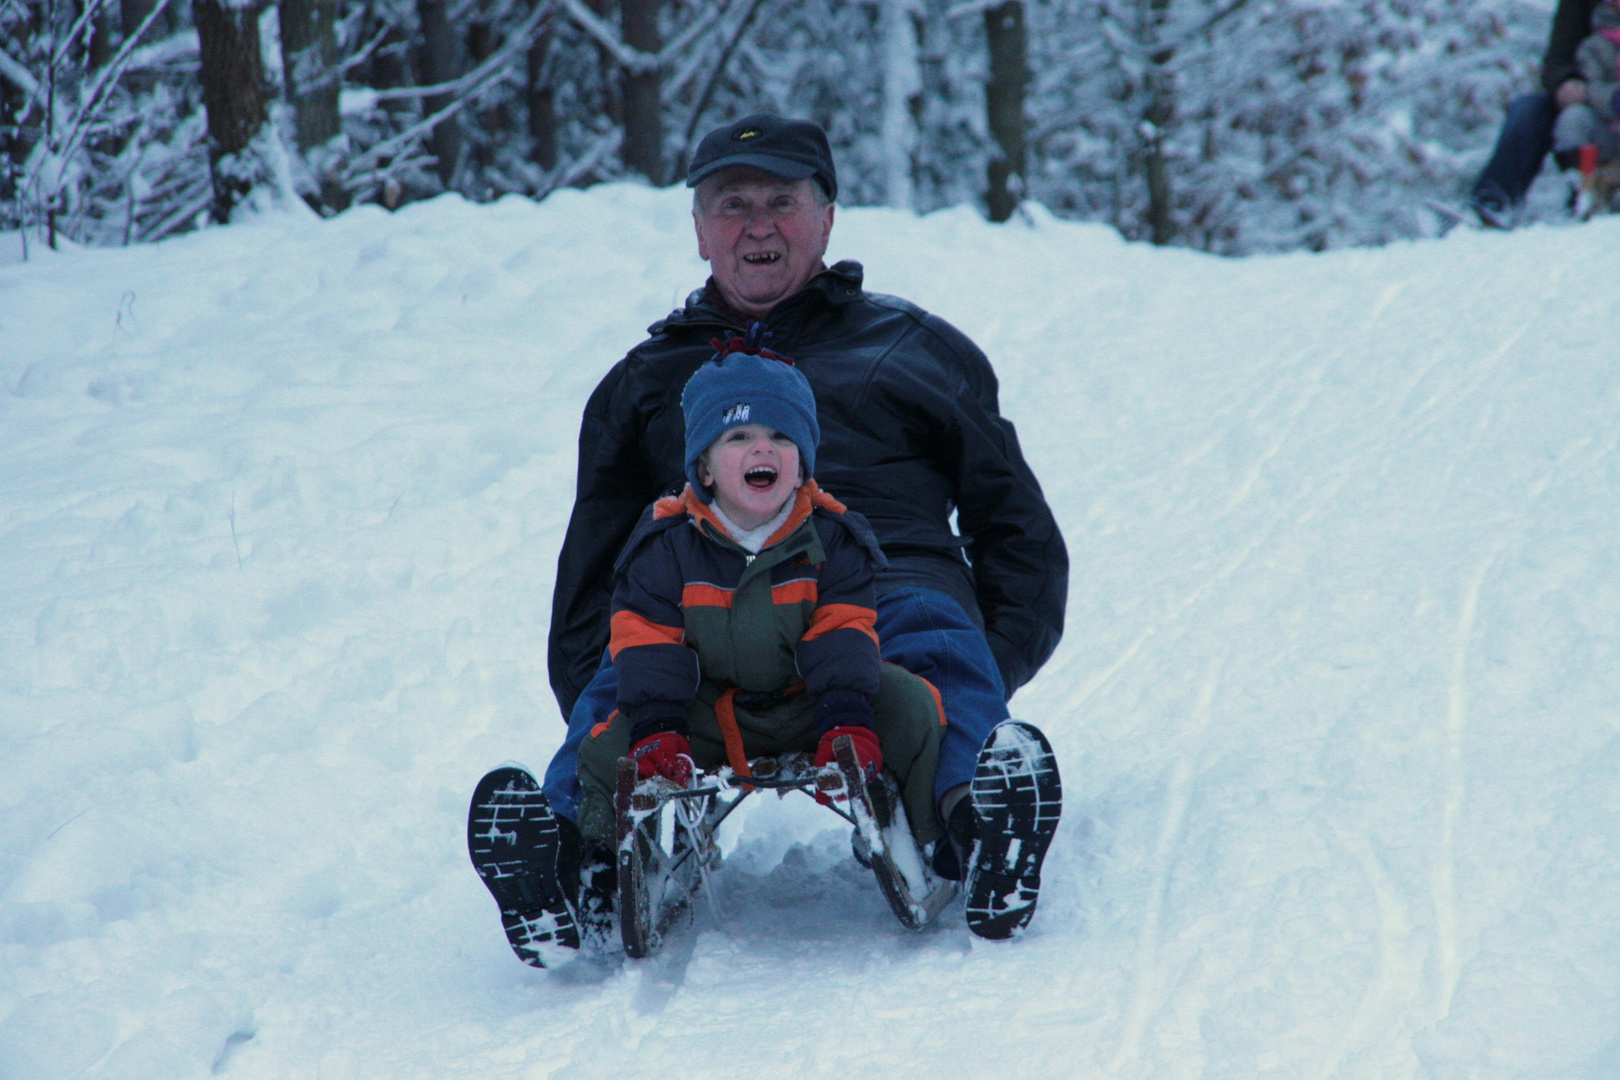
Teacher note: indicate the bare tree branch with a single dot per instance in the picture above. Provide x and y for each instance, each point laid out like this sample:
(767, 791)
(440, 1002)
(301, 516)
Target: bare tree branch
(19, 76)
(364, 54)
(631, 59)
(970, 7)
(104, 83)
(468, 87)
(1187, 37)
(72, 35)
(681, 44)
(520, 40)
(198, 197)
(699, 60)
(587, 161)
(183, 46)
(716, 70)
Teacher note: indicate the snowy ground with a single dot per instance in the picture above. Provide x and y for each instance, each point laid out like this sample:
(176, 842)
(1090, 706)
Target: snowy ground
(1337, 706)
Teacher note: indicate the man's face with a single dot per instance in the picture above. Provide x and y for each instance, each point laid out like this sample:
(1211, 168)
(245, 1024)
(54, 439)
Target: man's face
(762, 236)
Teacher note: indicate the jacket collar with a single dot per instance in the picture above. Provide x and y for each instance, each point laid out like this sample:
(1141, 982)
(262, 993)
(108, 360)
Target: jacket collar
(806, 500)
(834, 286)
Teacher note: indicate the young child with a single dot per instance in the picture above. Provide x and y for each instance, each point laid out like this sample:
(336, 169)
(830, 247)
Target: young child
(743, 610)
(742, 624)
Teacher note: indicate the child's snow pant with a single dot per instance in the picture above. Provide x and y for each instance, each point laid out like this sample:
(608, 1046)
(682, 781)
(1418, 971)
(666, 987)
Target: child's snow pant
(906, 715)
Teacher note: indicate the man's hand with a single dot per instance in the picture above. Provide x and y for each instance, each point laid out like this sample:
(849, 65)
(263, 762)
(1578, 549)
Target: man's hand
(1570, 92)
(667, 754)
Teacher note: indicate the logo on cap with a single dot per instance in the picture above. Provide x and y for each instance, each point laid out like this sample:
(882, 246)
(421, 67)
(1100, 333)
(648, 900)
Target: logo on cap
(737, 414)
(748, 133)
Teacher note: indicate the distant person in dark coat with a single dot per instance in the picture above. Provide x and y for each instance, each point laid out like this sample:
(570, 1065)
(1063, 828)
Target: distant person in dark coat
(1596, 121)
(1527, 132)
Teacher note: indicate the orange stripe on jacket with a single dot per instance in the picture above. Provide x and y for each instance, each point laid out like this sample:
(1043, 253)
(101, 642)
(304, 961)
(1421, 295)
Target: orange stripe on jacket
(939, 702)
(698, 594)
(602, 727)
(627, 629)
(830, 617)
(794, 592)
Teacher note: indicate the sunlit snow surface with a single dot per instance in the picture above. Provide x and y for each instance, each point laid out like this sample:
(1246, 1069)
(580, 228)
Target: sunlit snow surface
(1337, 706)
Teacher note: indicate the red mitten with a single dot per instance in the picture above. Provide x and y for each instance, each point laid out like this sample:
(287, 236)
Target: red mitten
(667, 754)
(866, 751)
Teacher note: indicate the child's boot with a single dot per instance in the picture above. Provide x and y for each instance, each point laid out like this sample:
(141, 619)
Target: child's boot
(529, 859)
(598, 886)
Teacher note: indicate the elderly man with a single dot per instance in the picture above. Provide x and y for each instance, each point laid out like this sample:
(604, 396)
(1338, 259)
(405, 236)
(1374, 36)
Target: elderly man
(911, 434)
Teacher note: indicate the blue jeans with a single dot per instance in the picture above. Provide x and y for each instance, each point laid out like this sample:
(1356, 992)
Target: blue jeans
(1525, 139)
(923, 631)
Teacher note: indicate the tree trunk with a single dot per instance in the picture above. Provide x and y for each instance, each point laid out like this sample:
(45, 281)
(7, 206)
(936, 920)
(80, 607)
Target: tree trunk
(12, 154)
(1155, 165)
(902, 83)
(234, 95)
(102, 44)
(1157, 84)
(487, 126)
(438, 65)
(1004, 102)
(612, 81)
(542, 102)
(309, 57)
(643, 113)
(311, 63)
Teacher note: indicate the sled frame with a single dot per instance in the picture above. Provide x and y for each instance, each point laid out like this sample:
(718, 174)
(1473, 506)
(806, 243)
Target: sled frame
(666, 848)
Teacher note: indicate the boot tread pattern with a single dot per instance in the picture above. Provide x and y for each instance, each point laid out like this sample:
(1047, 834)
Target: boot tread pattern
(513, 839)
(1017, 798)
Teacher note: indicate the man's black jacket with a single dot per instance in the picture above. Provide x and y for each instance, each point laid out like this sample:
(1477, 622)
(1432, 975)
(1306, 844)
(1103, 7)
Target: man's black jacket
(1572, 21)
(910, 432)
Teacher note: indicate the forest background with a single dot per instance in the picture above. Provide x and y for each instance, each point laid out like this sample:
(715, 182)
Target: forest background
(1231, 126)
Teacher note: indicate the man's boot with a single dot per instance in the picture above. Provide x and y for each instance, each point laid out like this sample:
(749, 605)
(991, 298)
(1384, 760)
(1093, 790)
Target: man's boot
(1004, 826)
(529, 860)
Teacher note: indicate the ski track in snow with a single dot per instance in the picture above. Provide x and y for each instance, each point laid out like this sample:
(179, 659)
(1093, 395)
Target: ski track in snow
(1335, 707)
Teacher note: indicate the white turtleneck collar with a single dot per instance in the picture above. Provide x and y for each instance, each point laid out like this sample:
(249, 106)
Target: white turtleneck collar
(752, 540)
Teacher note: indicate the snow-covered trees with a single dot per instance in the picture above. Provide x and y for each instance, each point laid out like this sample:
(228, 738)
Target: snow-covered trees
(1230, 125)
(1241, 125)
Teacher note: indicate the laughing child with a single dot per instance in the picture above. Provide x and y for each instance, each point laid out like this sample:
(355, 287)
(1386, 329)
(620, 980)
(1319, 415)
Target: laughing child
(744, 609)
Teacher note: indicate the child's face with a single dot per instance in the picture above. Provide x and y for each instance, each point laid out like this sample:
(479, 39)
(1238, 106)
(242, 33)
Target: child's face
(753, 471)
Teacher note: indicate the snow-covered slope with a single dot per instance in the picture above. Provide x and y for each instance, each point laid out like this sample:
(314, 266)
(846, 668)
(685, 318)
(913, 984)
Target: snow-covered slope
(1337, 706)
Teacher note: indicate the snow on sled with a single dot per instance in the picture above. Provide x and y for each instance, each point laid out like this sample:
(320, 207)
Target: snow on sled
(666, 849)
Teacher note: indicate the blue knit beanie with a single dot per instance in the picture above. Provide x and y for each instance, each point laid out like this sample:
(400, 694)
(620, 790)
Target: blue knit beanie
(744, 387)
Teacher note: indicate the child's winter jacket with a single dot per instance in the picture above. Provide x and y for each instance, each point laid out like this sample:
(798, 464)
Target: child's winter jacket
(691, 607)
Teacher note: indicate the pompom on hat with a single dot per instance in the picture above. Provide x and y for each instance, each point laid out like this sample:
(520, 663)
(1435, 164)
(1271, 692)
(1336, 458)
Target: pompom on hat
(747, 384)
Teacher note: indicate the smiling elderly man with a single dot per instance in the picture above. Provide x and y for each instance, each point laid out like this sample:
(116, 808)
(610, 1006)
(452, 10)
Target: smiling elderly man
(911, 434)
(762, 236)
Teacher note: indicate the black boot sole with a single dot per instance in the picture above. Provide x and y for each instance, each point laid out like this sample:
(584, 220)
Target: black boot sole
(1017, 798)
(513, 839)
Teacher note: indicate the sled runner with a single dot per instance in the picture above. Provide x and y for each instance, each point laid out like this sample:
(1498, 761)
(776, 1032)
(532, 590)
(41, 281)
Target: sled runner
(666, 849)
